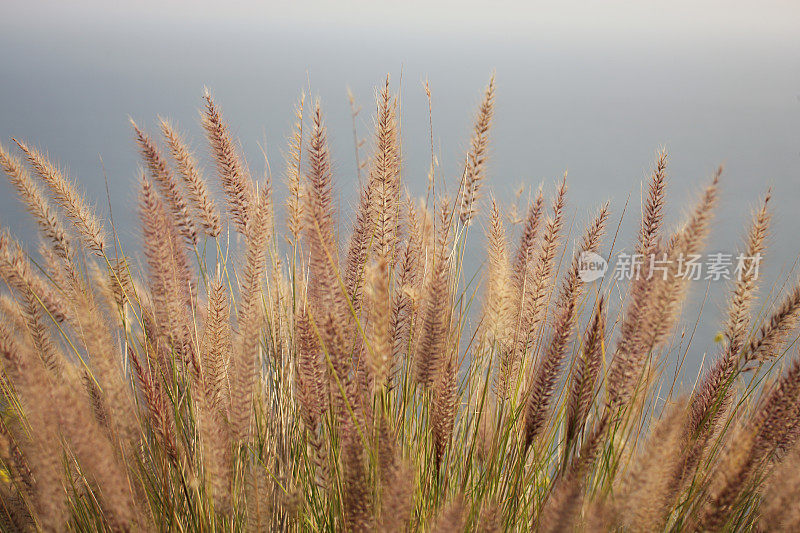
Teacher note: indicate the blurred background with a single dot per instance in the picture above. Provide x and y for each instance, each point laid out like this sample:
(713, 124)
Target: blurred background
(590, 88)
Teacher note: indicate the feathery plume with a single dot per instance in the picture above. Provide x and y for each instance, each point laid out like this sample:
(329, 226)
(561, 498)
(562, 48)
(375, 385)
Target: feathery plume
(378, 332)
(361, 241)
(15, 269)
(235, 180)
(475, 166)
(216, 349)
(323, 286)
(686, 242)
(107, 365)
(744, 290)
(653, 212)
(37, 328)
(731, 477)
(497, 307)
(562, 509)
(736, 331)
(520, 274)
(90, 444)
(769, 432)
(12, 314)
(546, 374)
(712, 400)
(396, 479)
(435, 321)
(294, 201)
(168, 187)
(170, 281)
(215, 396)
(41, 452)
(406, 287)
(773, 333)
(654, 301)
(451, 518)
(356, 496)
(490, 519)
(156, 405)
(245, 357)
(585, 373)
(533, 297)
(64, 192)
(775, 422)
(444, 408)
(310, 372)
(527, 240)
(384, 177)
(629, 345)
(644, 495)
(397, 498)
(328, 304)
(778, 510)
(203, 204)
(35, 201)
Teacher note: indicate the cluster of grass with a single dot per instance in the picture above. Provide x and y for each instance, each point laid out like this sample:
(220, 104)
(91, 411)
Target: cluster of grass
(252, 374)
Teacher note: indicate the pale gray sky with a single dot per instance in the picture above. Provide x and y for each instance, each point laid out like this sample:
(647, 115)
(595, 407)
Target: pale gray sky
(590, 87)
(580, 21)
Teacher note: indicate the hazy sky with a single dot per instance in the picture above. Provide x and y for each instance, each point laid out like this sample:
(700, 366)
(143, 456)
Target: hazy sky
(580, 21)
(591, 87)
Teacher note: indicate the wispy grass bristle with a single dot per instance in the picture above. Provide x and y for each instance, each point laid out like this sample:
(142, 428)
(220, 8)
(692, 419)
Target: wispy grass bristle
(370, 372)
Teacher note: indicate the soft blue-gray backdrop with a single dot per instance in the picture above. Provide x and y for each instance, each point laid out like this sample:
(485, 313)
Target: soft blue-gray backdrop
(592, 88)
